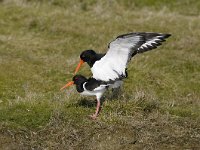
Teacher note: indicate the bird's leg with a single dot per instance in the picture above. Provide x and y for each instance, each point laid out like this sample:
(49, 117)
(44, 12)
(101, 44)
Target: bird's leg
(94, 116)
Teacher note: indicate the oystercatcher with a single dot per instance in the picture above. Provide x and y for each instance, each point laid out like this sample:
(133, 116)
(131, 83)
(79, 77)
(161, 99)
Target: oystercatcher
(112, 65)
(90, 87)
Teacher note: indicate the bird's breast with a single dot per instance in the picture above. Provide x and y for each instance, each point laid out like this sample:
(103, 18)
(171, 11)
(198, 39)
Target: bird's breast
(89, 93)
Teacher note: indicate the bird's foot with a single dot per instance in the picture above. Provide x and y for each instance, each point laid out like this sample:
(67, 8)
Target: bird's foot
(94, 116)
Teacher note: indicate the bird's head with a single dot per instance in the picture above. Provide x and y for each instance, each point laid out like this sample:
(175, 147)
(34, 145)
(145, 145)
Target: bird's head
(77, 80)
(86, 56)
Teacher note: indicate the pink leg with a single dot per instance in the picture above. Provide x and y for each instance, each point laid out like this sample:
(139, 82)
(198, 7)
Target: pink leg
(94, 116)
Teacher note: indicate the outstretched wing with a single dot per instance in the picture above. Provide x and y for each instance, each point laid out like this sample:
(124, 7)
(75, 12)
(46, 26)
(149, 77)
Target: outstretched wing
(113, 65)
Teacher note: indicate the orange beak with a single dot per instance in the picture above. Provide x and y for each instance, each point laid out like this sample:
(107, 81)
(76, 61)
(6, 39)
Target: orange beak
(79, 65)
(68, 84)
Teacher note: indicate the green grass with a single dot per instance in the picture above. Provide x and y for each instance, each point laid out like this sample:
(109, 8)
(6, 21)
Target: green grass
(40, 43)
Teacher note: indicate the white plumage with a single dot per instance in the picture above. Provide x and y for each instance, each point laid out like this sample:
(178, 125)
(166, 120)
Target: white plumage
(98, 92)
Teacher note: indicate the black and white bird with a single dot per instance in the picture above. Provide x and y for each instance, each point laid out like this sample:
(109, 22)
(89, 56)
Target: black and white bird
(90, 87)
(110, 69)
(112, 65)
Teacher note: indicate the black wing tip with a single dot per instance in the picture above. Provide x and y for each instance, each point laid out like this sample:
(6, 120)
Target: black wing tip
(161, 38)
(166, 35)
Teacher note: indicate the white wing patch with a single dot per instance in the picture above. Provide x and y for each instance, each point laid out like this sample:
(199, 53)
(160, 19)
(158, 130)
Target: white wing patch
(114, 63)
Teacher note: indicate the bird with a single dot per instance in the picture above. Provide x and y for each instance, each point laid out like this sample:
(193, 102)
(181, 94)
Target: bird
(113, 64)
(109, 69)
(89, 87)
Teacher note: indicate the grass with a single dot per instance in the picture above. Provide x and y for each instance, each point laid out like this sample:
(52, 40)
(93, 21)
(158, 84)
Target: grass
(40, 43)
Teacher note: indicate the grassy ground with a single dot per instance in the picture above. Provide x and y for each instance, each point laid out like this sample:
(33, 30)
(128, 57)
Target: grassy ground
(40, 43)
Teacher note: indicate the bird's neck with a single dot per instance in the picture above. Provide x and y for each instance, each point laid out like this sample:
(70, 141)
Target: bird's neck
(96, 58)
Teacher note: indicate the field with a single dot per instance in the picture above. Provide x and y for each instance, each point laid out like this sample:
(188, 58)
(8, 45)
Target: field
(40, 43)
